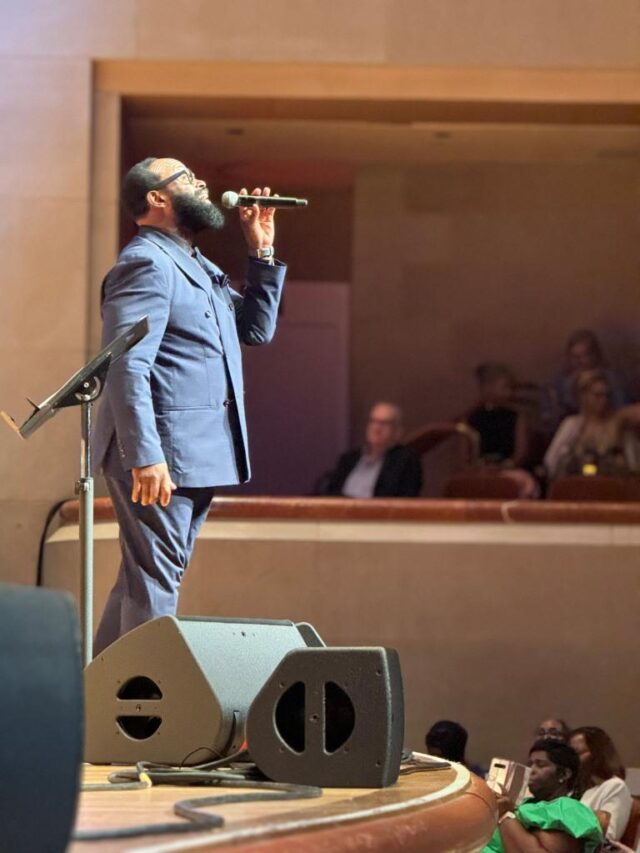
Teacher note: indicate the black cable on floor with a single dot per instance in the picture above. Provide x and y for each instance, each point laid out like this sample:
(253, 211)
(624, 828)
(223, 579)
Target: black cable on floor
(43, 538)
(147, 774)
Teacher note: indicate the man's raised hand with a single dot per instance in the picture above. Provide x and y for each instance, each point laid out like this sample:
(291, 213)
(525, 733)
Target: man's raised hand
(257, 222)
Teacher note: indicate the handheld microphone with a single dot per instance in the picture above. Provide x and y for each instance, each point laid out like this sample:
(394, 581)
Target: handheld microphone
(231, 199)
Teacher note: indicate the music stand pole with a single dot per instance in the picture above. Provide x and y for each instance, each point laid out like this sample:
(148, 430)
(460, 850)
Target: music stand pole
(84, 489)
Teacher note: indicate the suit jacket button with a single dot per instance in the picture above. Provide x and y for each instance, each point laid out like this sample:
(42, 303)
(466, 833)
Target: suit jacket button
(207, 313)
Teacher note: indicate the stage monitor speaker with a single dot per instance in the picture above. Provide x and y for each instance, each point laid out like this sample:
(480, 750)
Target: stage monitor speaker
(40, 719)
(332, 717)
(178, 690)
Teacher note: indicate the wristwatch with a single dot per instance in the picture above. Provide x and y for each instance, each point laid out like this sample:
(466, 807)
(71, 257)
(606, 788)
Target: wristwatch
(265, 254)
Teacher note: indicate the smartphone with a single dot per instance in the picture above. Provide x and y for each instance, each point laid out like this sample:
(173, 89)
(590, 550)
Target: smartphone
(510, 777)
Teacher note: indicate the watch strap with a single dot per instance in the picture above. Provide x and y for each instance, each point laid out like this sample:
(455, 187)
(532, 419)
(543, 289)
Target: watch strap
(264, 254)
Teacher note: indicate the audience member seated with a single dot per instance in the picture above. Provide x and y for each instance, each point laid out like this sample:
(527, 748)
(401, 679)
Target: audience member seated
(600, 783)
(449, 740)
(550, 820)
(503, 432)
(583, 352)
(599, 440)
(382, 468)
(553, 728)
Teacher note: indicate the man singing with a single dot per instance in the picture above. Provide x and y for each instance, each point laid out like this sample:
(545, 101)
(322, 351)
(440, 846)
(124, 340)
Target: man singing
(171, 425)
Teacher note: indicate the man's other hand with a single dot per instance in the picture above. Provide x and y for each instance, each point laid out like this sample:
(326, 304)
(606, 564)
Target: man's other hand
(152, 483)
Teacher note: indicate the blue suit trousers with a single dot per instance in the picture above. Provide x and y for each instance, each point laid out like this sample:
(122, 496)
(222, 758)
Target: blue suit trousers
(156, 546)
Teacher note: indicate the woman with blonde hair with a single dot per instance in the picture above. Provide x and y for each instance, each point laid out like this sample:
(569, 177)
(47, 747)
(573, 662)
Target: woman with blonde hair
(598, 440)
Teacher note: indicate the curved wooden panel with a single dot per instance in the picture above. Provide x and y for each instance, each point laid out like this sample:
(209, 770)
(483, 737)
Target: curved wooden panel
(397, 509)
(461, 825)
(596, 489)
(424, 812)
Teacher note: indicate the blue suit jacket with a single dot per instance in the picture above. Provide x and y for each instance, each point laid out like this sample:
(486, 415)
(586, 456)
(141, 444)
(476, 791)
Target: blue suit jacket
(166, 399)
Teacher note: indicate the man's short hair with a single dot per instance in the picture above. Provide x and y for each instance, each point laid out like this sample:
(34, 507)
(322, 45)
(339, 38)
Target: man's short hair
(449, 737)
(588, 337)
(135, 186)
(560, 754)
(397, 411)
(490, 371)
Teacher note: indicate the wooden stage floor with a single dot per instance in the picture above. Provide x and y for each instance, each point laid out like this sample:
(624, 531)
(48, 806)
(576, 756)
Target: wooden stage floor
(435, 811)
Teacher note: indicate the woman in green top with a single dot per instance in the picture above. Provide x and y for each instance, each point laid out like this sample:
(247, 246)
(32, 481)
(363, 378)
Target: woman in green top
(551, 821)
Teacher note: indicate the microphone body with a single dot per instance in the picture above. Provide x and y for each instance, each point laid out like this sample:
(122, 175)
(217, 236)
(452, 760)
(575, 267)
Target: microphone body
(231, 199)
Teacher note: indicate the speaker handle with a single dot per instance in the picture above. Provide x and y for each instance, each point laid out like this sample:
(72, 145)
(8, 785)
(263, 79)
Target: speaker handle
(310, 635)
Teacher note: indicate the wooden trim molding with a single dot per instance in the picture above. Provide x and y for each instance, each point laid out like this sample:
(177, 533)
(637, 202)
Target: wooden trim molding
(377, 82)
(396, 509)
(372, 92)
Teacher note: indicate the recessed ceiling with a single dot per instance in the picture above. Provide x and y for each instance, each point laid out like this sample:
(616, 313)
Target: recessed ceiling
(330, 151)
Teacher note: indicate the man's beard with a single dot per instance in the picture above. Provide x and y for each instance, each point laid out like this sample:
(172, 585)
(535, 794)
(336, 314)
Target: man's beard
(195, 214)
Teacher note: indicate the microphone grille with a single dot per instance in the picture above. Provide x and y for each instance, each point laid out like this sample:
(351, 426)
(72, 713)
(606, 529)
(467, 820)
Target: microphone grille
(229, 199)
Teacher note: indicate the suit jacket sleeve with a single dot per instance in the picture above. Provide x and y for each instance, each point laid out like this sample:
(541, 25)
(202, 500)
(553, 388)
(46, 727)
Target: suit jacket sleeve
(410, 481)
(257, 309)
(136, 286)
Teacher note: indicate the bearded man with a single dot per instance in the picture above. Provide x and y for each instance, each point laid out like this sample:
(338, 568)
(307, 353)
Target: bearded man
(171, 425)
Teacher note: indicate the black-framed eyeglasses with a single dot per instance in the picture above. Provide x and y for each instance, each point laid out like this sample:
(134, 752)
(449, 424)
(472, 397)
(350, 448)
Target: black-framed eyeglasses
(189, 175)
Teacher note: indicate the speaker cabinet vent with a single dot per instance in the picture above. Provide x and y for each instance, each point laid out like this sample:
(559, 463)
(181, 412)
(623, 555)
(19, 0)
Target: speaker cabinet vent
(139, 728)
(290, 714)
(340, 717)
(140, 687)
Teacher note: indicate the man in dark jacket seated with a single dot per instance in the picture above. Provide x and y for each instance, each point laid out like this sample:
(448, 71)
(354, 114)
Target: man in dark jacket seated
(382, 468)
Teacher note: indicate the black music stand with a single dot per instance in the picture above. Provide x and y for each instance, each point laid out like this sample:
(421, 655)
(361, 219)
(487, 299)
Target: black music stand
(83, 389)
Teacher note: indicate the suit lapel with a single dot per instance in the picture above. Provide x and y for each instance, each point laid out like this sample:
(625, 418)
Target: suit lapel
(189, 266)
(215, 273)
(218, 278)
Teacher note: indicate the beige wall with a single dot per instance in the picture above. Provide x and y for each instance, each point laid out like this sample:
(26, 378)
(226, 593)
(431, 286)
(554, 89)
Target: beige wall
(476, 262)
(45, 119)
